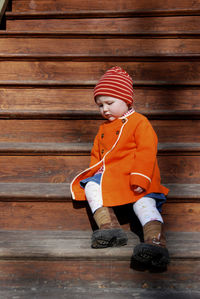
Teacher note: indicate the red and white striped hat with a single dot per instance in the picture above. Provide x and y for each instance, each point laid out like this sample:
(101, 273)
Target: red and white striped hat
(115, 83)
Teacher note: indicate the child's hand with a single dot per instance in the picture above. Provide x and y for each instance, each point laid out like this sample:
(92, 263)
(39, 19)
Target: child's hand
(137, 189)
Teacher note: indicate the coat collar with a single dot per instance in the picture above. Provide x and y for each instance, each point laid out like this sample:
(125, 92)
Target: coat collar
(131, 111)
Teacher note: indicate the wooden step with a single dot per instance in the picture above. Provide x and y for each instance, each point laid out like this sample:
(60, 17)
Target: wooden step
(66, 102)
(113, 6)
(79, 270)
(110, 290)
(62, 168)
(180, 25)
(70, 135)
(84, 149)
(101, 48)
(76, 245)
(54, 192)
(180, 215)
(62, 73)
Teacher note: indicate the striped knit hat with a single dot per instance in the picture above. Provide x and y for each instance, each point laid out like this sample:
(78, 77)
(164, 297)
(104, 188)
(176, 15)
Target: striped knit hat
(115, 83)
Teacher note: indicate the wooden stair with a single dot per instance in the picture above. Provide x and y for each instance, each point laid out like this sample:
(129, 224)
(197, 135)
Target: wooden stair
(52, 53)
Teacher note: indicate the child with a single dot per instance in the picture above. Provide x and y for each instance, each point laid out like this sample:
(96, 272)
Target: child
(123, 170)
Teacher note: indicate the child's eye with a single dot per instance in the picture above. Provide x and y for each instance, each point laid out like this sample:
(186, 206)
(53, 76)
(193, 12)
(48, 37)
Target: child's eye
(109, 103)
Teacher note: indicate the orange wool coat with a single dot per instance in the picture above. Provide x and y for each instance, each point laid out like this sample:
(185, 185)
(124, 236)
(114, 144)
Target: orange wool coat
(127, 148)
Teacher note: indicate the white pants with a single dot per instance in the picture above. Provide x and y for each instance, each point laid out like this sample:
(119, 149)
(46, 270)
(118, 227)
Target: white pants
(93, 195)
(145, 208)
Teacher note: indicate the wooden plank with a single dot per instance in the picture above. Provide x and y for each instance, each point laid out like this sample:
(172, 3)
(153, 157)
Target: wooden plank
(88, 73)
(121, 26)
(98, 48)
(75, 245)
(29, 279)
(94, 290)
(66, 149)
(84, 149)
(40, 131)
(179, 169)
(61, 169)
(63, 102)
(79, 134)
(57, 192)
(174, 221)
(117, 5)
(44, 215)
(47, 192)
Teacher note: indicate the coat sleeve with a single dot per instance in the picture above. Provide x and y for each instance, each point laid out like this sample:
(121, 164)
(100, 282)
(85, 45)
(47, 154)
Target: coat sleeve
(145, 154)
(95, 154)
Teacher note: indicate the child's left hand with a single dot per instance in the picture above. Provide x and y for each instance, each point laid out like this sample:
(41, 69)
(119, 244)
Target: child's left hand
(138, 189)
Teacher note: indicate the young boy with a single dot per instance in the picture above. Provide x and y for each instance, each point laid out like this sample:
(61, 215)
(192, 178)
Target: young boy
(123, 170)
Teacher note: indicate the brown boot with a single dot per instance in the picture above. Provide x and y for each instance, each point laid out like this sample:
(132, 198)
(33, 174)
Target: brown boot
(153, 251)
(109, 233)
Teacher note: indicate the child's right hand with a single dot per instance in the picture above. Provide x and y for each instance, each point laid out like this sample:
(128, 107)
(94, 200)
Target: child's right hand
(137, 189)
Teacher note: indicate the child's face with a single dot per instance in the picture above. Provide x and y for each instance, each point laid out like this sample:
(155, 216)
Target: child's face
(111, 108)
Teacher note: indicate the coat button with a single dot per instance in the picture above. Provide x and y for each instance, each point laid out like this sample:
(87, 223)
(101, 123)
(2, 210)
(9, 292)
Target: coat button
(102, 135)
(123, 120)
(102, 151)
(117, 132)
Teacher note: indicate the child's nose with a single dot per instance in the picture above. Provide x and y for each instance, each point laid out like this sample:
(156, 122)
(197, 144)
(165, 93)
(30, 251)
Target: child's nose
(105, 108)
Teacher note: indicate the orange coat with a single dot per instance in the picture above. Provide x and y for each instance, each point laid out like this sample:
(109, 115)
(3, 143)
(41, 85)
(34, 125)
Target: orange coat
(127, 148)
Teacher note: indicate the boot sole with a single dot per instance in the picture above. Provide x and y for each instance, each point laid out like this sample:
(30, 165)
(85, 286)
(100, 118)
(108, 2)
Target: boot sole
(108, 238)
(151, 255)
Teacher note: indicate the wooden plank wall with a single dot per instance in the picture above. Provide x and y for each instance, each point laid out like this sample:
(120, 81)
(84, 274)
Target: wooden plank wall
(51, 55)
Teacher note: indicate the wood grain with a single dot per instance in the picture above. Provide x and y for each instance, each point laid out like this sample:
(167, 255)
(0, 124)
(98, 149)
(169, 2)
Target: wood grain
(75, 245)
(83, 131)
(113, 5)
(121, 26)
(183, 217)
(98, 48)
(51, 102)
(60, 192)
(88, 73)
(60, 169)
(75, 278)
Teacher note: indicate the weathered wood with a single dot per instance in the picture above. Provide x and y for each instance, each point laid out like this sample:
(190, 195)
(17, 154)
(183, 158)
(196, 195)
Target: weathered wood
(75, 245)
(122, 26)
(98, 48)
(60, 169)
(76, 279)
(29, 279)
(57, 192)
(179, 169)
(134, 6)
(79, 134)
(66, 102)
(43, 81)
(44, 215)
(36, 131)
(77, 149)
(109, 290)
(88, 73)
